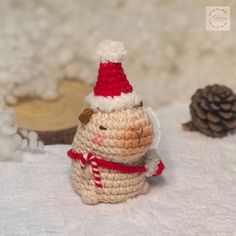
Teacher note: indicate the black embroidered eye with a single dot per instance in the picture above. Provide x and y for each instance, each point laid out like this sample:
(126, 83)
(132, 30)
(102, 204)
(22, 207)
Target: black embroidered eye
(102, 127)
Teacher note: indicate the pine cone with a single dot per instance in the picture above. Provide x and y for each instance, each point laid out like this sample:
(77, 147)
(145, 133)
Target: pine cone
(213, 111)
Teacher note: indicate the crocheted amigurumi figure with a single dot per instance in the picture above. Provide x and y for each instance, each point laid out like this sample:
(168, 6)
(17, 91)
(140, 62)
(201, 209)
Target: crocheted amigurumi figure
(111, 155)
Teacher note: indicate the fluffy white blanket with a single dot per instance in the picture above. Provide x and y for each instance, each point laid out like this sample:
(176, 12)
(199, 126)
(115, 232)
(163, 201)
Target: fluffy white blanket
(195, 196)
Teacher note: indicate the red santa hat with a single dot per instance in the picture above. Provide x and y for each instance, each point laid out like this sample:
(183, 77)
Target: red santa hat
(112, 90)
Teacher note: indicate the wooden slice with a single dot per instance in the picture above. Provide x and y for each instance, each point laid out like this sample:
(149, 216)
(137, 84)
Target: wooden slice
(55, 121)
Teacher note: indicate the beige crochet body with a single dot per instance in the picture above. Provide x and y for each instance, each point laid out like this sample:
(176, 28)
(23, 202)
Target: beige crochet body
(123, 137)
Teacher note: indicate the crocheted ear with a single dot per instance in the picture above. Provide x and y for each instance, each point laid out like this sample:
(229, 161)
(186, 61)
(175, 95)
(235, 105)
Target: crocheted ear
(140, 104)
(85, 116)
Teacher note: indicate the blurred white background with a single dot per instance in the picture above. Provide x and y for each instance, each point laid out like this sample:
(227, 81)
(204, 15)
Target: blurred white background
(170, 54)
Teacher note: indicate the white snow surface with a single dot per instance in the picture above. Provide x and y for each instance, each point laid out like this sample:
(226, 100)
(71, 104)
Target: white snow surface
(195, 195)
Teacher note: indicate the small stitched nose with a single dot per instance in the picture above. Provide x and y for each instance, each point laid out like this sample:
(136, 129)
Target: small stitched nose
(139, 133)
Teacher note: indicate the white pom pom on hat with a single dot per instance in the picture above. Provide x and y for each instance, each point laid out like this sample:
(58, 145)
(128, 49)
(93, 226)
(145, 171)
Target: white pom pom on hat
(111, 51)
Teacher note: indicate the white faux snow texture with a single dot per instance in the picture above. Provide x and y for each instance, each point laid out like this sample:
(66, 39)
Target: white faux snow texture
(195, 196)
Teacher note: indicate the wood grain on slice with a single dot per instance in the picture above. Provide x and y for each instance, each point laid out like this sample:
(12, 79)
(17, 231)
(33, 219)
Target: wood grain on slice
(55, 121)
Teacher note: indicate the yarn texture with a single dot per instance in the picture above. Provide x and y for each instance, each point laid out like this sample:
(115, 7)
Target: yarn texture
(111, 51)
(110, 158)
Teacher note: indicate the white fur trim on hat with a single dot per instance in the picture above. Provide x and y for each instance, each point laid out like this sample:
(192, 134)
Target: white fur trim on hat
(125, 100)
(111, 51)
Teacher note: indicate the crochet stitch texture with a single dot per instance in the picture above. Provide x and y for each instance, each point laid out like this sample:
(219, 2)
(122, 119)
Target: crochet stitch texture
(109, 162)
(127, 137)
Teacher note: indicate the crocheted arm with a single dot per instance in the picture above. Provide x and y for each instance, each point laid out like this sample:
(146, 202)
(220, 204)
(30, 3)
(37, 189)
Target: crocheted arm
(153, 163)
